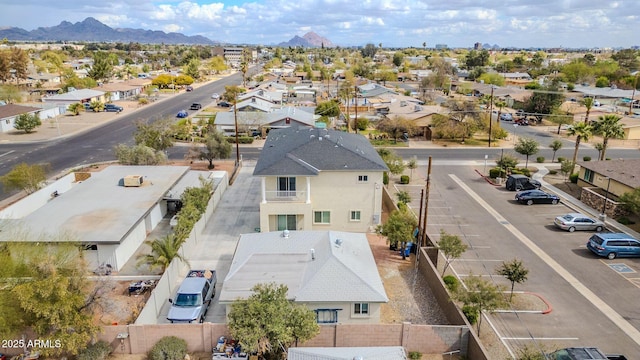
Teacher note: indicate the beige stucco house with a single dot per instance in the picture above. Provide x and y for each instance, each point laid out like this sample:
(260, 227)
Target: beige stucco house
(318, 179)
(331, 272)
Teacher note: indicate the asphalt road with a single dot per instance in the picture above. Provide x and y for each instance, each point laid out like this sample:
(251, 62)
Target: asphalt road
(591, 301)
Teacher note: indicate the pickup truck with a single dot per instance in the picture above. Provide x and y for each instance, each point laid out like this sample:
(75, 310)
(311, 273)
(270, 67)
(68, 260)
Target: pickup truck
(193, 297)
(195, 106)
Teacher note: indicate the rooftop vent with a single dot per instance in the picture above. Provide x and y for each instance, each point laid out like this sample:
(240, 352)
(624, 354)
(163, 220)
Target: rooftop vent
(338, 242)
(133, 180)
(285, 234)
(313, 254)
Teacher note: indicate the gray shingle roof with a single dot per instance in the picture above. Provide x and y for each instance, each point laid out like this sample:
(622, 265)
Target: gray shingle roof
(11, 110)
(344, 272)
(308, 151)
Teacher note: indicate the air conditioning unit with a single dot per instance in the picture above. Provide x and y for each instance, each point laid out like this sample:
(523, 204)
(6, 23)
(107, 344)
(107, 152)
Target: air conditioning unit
(133, 180)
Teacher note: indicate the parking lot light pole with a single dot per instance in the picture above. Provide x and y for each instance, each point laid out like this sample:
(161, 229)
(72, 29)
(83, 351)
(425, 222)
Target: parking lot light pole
(606, 198)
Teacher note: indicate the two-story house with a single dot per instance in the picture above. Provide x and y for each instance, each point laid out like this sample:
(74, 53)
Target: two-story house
(318, 179)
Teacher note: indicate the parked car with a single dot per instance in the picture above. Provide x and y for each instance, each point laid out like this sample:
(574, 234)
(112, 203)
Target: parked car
(182, 114)
(189, 88)
(113, 108)
(583, 353)
(215, 96)
(224, 104)
(519, 182)
(506, 117)
(612, 245)
(196, 106)
(576, 221)
(531, 197)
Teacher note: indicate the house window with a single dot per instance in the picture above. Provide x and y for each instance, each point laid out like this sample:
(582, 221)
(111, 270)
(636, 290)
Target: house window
(355, 215)
(363, 178)
(327, 316)
(361, 309)
(287, 222)
(321, 217)
(588, 175)
(286, 186)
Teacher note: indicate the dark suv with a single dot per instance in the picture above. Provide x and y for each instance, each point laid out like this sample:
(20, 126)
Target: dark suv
(195, 106)
(518, 182)
(112, 108)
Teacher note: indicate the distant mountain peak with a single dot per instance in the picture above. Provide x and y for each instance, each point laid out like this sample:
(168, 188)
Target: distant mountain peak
(91, 29)
(310, 39)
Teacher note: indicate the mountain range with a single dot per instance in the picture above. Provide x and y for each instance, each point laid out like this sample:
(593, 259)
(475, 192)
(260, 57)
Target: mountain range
(309, 39)
(93, 30)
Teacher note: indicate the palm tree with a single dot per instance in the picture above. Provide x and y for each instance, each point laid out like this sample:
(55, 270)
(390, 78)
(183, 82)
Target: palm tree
(609, 127)
(582, 131)
(588, 103)
(500, 105)
(163, 250)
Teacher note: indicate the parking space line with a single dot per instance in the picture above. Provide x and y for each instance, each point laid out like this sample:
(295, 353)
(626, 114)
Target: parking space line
(600, 304)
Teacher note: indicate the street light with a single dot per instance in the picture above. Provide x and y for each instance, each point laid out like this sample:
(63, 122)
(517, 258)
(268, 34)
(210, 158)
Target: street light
(491, 114)
(606, 198)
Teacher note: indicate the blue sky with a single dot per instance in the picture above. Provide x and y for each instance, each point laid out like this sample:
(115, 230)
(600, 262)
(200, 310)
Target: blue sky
(394, 23)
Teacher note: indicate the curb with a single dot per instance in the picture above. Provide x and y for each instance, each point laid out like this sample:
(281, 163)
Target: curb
(549, 307)
(486, 178)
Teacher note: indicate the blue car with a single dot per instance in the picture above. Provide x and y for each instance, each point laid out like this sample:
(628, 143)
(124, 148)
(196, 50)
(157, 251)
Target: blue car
(612, 245)
(182, 114)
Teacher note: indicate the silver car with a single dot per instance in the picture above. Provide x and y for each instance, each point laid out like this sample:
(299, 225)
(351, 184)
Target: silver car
(576, 221)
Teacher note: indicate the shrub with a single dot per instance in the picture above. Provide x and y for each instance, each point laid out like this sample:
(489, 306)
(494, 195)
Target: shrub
(561, 159)
(385, 178)
(415, 355)
(168, 348)
(97, 351)
(573, 178)
(494, 173)
(451, 282)
(540, 159)
(241, 139)
(143, 101)
(586, 158)
(471, 313)
(625, 220)
(404, 179)
(553, 172)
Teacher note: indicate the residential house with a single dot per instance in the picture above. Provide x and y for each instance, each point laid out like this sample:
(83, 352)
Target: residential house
(9, 113)
(317, 179)
(253, 104)
(76, 96)
(121, 90)
(270, 94)
(607, 180)
(331, 272)
(104, 211)
(260, 121)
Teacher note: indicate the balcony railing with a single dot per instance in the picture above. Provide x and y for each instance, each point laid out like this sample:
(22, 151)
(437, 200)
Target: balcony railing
(286, 196)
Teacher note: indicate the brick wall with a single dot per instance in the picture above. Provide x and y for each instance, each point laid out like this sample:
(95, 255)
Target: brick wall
(594, 200)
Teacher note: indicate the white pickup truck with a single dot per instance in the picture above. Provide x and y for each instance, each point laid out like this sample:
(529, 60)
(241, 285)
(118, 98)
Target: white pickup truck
(193, 297)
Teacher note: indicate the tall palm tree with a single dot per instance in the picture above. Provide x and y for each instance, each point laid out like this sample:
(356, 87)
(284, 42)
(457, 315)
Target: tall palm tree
(163, 250)
(582, 131)
(609, 127)
(588, 103)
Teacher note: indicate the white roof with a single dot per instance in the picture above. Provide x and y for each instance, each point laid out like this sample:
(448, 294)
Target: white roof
(77, 95)
(347, 353)
(341, 269)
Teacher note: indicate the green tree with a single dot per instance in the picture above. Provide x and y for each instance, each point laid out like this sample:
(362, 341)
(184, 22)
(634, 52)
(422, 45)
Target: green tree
(588, 104)
(231, 93)
(27, 122)
(514, 271)
(631, 200)
(215, 147)
(268, 323)
(10, 94)
(526, 147)
(403, 197)
(102, 66)
(598, 146)
(163, 251)
(566, 167)
(481, 295)
(546, 101)
(29, 178)
(193, 68)
(53, 296)
(412, 164)
(75, 108)
(157, 135)
(492, 78)
(399, 227)
(217, 64)
(396, 127)
(369, 51)
(451, 247)
(394, 161)
(139, 155)
(609, 127)
(555, 145)
(398, 58)
(582, 131)
(507, 161)
(329, 108)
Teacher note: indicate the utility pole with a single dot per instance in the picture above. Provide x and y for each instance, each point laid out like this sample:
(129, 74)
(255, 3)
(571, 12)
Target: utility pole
(490, 115)
(420, 229)
(235, 119)
(355, 96)
(426, 205)
(633, 94)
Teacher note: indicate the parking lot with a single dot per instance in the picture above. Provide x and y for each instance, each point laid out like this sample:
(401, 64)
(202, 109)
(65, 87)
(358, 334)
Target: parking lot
(591, 297)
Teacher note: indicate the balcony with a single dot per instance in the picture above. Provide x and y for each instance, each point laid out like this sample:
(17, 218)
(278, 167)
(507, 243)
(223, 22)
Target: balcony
(286, 196)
